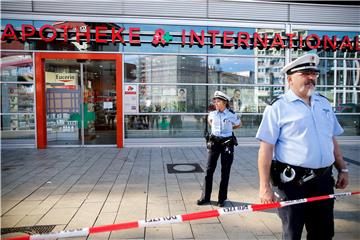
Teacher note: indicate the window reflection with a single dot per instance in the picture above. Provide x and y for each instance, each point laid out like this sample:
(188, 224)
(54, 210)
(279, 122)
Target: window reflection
(231, 70)
(249, 99)
(172, 99)
(235, 70)
(164, 69)
(17, 98)
(16, 67)
(164, 126)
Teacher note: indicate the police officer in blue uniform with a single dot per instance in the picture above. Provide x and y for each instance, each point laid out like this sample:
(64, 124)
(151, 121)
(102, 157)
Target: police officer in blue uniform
(297, 151)
(221, 142)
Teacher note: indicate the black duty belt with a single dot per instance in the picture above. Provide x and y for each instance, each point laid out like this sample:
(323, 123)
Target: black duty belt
(302, 174)
(221, 140)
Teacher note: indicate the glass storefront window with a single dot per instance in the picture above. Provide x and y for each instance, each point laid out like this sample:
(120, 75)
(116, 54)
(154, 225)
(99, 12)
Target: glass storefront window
(235, 70)
(16, 67)
(17, 129)
(175, 83)
(172, 98)
(17, 98)
(164, 69)
(350, 123)
(18, 122)
(231, 70)
(164, 126)
(181, 126)
(247, 99)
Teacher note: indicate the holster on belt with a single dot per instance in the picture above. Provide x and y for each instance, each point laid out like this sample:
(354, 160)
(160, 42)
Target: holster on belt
(275, 173)
(301, 174)
(222, 141)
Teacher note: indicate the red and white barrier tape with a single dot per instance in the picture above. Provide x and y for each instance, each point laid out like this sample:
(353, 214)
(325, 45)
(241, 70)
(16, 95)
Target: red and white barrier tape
(176, 219)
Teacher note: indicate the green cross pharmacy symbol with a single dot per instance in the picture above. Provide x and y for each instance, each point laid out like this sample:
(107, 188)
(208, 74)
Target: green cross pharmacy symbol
(167, 37)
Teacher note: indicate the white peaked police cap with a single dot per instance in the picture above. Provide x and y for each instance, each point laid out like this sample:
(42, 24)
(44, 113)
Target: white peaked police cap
(221, 95)
(308, 62)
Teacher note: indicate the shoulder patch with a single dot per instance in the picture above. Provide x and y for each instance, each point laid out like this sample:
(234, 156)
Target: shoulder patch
(274, 100)
(232, 111)
(323, 96)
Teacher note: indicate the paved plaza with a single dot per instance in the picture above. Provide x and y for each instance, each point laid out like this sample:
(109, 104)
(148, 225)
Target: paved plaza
(83, 187)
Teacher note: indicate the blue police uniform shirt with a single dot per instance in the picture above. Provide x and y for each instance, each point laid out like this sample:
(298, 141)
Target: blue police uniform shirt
(223, 122)
(302, 134)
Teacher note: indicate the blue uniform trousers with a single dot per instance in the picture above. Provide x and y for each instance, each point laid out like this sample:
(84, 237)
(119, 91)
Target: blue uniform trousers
(317, 216)
(227, 157)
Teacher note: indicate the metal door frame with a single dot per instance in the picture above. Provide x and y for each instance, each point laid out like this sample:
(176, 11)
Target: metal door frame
(40, 95)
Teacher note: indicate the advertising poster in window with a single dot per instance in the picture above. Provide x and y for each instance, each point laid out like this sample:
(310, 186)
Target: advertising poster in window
(131, 98)
(181, 95)
(61, 80)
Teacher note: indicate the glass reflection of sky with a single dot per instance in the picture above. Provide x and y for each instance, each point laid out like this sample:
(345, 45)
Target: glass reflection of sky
(231, 64)
(39, 24)
(15, 23)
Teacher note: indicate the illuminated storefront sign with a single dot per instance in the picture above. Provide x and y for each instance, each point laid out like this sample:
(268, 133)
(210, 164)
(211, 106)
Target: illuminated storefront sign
(133, 36)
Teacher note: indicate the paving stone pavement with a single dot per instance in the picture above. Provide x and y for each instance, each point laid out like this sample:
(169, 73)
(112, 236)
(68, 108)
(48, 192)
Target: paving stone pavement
(84, 187)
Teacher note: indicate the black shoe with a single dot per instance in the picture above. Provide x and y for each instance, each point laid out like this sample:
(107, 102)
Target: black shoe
(202, 201)
(221, 204)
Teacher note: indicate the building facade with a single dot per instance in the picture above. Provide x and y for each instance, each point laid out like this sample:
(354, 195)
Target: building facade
(95, 73)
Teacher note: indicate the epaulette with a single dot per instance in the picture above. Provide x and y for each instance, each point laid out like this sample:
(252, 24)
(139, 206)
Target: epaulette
(232, 111)
(323, 96)
(274, 100)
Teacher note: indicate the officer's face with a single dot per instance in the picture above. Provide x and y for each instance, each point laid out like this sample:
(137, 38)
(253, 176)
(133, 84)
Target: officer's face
(220, 105)
(303, 83)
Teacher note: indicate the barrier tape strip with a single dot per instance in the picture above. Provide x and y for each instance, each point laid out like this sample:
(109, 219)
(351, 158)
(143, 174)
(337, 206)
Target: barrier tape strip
(177, 218)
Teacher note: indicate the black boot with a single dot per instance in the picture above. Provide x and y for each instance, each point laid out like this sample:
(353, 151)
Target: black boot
(202, 201)
(221, 203)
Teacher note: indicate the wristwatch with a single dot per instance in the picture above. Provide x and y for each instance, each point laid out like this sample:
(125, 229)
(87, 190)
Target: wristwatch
(344, 170)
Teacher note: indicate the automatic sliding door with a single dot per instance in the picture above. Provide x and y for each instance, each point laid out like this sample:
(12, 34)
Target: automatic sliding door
(63, 102)
(80, 102)
(99, 102)
(76, 96)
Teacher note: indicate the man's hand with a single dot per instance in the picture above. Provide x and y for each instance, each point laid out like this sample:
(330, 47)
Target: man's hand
(266, 195)
(343, 177)
(342, 180)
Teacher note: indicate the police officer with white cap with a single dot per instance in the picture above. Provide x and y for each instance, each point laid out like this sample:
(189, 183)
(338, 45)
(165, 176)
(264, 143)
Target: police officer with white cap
(297, 151)
(221, 142)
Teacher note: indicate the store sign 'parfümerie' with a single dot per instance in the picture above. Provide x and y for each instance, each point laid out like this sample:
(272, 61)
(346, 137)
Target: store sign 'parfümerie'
(133, 36)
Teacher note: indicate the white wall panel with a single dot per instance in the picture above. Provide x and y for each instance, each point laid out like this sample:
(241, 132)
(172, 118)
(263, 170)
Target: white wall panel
(325, 14)
(248, 10)
(78, 6)
(167, 8)
(14, 5)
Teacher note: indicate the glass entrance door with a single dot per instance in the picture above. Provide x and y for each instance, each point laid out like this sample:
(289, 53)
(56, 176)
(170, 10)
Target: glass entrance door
(80, 102)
